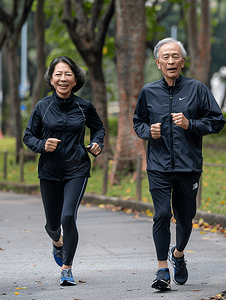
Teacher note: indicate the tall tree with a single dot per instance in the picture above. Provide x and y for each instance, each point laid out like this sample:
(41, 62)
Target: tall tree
(87, 30)
(12, 25)
(199, 39)
(39, 25)
(130, 51)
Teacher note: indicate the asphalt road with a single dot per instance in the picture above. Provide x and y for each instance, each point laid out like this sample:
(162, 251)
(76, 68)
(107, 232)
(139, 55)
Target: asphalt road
(115, 257)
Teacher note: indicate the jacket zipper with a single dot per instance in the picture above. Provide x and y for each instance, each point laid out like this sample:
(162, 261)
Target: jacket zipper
(63, 138)
(171, 130)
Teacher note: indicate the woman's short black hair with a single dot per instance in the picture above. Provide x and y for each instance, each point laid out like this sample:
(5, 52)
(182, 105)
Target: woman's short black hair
(80, 74)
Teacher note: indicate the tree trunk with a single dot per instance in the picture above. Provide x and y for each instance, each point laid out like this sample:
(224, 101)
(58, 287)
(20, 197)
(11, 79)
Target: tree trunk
(199, 41)
(130, 45)
(100, 99)
(39, 23)
(12, 25)
(14, 95)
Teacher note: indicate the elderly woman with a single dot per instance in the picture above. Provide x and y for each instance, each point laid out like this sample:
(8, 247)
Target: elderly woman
(56, 130)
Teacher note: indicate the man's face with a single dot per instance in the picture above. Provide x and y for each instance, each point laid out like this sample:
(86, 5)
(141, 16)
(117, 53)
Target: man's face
(170, 61)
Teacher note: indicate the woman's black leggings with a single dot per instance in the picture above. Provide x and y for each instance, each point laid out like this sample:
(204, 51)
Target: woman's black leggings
(61, 200)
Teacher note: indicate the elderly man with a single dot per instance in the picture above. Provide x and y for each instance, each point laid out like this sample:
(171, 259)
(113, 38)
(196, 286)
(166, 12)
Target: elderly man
(173, 114)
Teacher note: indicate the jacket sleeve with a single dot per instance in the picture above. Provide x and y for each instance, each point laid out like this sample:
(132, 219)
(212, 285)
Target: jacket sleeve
(211, 118)
(32, 135)
(140, 119)
(94, 123)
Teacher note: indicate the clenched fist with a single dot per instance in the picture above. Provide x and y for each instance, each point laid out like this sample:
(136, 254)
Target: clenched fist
(51, 144)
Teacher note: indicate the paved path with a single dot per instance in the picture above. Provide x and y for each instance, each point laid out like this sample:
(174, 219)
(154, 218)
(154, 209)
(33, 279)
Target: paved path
(115, 257)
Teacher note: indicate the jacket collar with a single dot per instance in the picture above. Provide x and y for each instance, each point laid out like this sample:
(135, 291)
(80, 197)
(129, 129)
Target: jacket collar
(62, 100)
(177, 82)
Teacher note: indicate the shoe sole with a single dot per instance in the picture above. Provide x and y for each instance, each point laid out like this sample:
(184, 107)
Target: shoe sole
(161, 285)
(67, 283)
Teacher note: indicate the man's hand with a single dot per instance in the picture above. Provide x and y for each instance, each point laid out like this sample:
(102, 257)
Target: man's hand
(180, 120)
(51, 144)
(156, 130)
(95, 149)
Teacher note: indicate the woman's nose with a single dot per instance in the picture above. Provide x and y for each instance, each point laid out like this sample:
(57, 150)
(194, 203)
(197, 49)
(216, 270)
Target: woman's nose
(63, 77)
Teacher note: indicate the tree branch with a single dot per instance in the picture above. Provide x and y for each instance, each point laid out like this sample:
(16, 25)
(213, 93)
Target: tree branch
(164, 14)
(22, 20)
(67, 17)
(15, 9)
(96, 9)
(104, 22)
(3, 38)
(6, 19)
(80, 13)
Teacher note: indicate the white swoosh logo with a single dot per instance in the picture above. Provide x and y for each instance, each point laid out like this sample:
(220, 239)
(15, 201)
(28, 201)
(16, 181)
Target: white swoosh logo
(182, 98)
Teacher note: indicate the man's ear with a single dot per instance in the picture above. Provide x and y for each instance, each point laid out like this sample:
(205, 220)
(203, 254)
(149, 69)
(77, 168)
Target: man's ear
(157, 63)
(183, 62)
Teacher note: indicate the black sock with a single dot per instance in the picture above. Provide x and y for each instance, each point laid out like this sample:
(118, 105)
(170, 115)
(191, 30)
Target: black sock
(58, 248)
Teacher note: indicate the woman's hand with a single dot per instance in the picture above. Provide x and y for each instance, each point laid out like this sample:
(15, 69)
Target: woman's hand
(94, 148)
(51, 144)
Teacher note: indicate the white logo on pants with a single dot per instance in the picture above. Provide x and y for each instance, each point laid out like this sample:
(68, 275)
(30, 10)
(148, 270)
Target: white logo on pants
(195, 186)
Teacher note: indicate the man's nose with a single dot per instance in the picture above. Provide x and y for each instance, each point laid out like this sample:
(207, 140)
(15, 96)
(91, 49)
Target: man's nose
(171, 60)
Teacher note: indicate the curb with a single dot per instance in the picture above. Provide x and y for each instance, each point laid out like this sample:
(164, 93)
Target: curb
(210, 218)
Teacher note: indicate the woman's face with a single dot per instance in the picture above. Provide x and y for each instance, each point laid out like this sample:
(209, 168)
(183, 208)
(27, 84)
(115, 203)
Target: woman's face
(63, 79)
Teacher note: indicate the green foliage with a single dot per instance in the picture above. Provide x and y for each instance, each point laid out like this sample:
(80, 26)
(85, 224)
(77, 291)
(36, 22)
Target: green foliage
(152, 73)
(109, 47)
(113, 126)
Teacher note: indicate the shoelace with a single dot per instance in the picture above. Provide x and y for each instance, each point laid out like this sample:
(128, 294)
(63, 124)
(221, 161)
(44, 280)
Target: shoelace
(67, 273)
(180, 264)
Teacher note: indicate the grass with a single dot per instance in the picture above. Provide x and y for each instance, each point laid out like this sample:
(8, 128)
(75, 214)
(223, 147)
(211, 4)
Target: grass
(213, 178)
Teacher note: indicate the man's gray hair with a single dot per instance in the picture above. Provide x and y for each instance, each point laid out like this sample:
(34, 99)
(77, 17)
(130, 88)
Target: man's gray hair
(165, 41)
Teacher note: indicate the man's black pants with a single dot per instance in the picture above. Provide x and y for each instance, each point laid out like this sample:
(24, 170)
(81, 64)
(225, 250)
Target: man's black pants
(183, 187)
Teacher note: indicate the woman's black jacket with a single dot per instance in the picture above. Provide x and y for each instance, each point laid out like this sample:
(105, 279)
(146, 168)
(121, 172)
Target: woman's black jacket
(64, 119)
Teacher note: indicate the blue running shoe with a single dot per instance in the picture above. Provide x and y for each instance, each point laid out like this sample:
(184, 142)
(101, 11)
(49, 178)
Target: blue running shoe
(66, 277)
(180, 275)
(162, 281)
(58, 255)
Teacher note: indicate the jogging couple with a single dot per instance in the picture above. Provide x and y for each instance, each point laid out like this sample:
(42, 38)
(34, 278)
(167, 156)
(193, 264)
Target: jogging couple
(172, 114)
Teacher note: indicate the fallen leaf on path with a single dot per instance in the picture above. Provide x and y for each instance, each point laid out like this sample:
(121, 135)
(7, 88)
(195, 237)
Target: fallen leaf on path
(197, 290)
(21, 288)
(2, 249)
(82, 281)
(16, 293)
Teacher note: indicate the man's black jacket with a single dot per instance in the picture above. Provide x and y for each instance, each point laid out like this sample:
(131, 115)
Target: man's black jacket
(177, 150)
